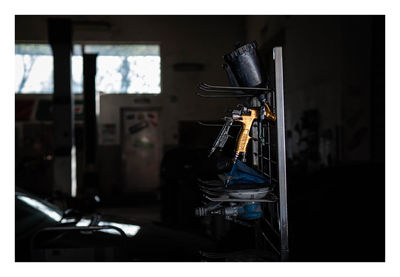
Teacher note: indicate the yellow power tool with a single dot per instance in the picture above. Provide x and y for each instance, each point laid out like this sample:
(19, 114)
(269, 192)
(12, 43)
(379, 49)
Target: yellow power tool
(247, 118)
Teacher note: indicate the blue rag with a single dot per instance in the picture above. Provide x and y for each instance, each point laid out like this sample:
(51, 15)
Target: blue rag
(243, 174)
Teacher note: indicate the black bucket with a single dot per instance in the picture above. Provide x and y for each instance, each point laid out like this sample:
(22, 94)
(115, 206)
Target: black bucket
(245, 64)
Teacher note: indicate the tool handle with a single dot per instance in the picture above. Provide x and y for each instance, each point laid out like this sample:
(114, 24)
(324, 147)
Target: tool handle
(244, 137)
(243, 141)
(247, 121)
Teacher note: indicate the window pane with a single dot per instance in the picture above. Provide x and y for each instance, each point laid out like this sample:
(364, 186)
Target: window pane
(134, 74)
(77, 74)
(127, 68)
(120, 68)
(33, 68)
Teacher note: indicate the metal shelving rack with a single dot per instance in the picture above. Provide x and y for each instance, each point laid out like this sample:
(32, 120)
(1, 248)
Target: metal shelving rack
(268, 155)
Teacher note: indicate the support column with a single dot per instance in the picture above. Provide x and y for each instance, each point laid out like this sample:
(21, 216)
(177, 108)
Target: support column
(89, 93)
(60, 38)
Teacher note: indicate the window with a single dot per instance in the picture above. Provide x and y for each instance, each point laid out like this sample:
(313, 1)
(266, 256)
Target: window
(33, 68)
(120, 68)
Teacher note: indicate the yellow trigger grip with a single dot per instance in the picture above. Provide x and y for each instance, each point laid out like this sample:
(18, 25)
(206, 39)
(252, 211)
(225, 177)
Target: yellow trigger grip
(247, 121)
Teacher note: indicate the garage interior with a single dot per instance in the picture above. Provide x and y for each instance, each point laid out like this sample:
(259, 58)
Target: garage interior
(109, 125)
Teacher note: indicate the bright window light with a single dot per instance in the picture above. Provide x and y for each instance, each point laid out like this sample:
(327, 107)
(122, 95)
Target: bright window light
(120, 68)
(33, 68)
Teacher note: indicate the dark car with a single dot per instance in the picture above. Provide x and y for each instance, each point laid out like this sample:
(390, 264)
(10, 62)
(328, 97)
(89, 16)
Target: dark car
(43, 232)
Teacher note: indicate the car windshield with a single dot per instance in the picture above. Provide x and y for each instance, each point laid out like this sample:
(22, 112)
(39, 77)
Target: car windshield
(32, 211)
(50, 211)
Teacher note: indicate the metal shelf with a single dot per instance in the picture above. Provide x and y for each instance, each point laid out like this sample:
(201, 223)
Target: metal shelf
(268, 156)
(270, 159)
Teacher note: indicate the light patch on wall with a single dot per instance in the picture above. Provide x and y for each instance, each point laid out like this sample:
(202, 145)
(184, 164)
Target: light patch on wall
(73, 172)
